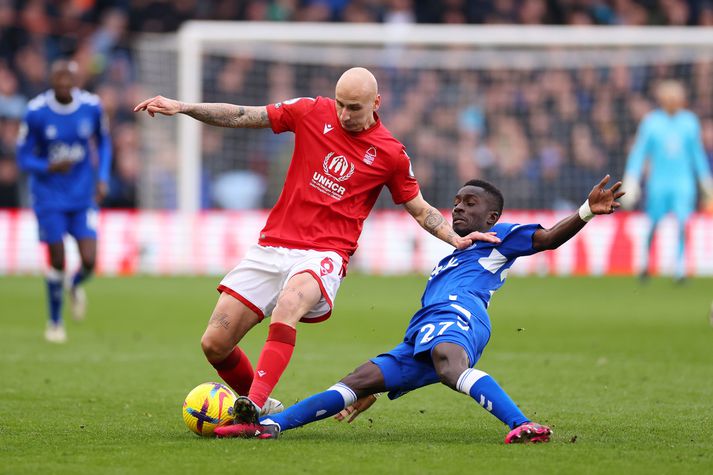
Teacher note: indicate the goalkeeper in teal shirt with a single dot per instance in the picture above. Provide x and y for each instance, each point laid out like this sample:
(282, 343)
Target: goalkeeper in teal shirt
(669, 138)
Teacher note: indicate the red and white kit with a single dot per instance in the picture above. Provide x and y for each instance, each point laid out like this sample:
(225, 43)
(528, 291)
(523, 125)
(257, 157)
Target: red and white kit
(333, 181)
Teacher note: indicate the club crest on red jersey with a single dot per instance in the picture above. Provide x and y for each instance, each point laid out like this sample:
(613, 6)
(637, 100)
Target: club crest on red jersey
(337, 167)
(370, 155)
(326, 266)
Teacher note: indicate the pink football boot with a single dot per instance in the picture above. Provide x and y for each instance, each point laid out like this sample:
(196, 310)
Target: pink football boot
(529, 432)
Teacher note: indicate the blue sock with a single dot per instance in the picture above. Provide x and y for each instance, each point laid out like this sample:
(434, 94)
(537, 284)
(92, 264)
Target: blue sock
(314, 408)
(54, 280)
(81, 275)
(488, 393)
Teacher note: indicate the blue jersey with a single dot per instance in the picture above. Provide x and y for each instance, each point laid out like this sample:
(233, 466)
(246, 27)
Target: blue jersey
(673, 145)
(52, 131)
(454, 308)
(468, 278)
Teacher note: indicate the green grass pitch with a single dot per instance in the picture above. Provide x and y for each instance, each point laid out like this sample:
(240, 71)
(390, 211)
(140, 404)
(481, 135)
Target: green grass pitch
(623, 372)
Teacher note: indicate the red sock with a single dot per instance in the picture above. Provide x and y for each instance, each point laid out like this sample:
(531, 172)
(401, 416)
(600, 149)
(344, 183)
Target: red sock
(274, 358)
(236, 370)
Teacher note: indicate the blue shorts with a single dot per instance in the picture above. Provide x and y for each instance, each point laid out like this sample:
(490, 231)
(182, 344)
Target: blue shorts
(681, 201)
(53, 225)
(409, 366)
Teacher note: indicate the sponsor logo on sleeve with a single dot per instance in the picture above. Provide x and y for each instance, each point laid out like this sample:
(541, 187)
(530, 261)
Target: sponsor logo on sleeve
(291, 101)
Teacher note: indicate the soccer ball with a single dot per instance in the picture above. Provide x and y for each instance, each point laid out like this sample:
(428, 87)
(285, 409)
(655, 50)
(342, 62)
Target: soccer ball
(208, 406)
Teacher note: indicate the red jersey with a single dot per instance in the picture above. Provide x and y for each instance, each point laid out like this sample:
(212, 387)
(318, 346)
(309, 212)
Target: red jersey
(334, 178)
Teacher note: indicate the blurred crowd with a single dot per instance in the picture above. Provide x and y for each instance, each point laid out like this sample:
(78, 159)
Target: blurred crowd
(527, 130)
(545, 136)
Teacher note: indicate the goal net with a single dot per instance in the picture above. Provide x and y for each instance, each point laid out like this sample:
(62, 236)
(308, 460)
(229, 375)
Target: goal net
(543, 112)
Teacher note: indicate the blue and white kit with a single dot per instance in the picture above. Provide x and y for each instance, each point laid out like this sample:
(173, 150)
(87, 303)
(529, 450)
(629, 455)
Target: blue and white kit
(454, 308)
(51, 131)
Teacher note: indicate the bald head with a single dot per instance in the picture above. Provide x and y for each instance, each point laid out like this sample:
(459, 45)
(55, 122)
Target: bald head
(357, 98)
(63, 78)
(671, 96)
(358, 82)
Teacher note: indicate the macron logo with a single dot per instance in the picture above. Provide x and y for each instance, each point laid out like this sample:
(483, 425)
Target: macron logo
(327, 129)
(261, 373)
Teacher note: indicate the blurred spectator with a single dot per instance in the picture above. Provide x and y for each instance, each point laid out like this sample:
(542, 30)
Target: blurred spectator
(11, 33)
(399, 12)
(12, 103)
(31, 70)
(9, 175)
(122, 186)
(12, 108)
(239, 189)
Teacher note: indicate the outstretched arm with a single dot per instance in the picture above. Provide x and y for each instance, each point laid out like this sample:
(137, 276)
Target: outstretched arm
(219, 114)
(433, 221)
(600, 201)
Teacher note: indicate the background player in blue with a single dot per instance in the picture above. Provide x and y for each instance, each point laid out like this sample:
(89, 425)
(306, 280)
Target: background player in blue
(669, 138)
(447, 336)
(65, 148)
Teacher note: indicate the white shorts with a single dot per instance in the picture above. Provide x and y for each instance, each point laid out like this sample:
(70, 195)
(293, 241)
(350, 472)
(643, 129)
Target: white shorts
(259, 278)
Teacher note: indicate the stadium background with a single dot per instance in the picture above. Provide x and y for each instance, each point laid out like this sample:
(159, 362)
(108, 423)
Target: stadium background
(542, 126)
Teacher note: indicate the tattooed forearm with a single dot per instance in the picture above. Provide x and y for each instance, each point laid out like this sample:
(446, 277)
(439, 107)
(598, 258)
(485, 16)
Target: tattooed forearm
(433, 220)
(437, 225)
(219, 320)
(228, 115)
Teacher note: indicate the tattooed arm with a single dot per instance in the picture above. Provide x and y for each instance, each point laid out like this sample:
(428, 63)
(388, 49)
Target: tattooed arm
(222, 115)
(433, 221)
(228, 115)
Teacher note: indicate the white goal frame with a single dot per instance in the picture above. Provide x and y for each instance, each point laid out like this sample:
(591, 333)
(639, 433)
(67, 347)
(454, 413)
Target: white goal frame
(195, 36)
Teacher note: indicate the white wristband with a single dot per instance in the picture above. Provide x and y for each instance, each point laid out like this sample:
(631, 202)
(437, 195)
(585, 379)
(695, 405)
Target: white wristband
(585, 212)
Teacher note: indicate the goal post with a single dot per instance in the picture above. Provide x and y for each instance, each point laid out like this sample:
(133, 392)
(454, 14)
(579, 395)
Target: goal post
(502, 60)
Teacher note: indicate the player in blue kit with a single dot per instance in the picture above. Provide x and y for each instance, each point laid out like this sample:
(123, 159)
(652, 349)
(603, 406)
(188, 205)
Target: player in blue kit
(447, 336)
(669, 138)
(65, 148)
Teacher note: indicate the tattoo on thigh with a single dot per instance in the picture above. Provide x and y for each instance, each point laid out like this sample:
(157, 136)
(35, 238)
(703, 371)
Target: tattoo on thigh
(299, 293)
(218, 320)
